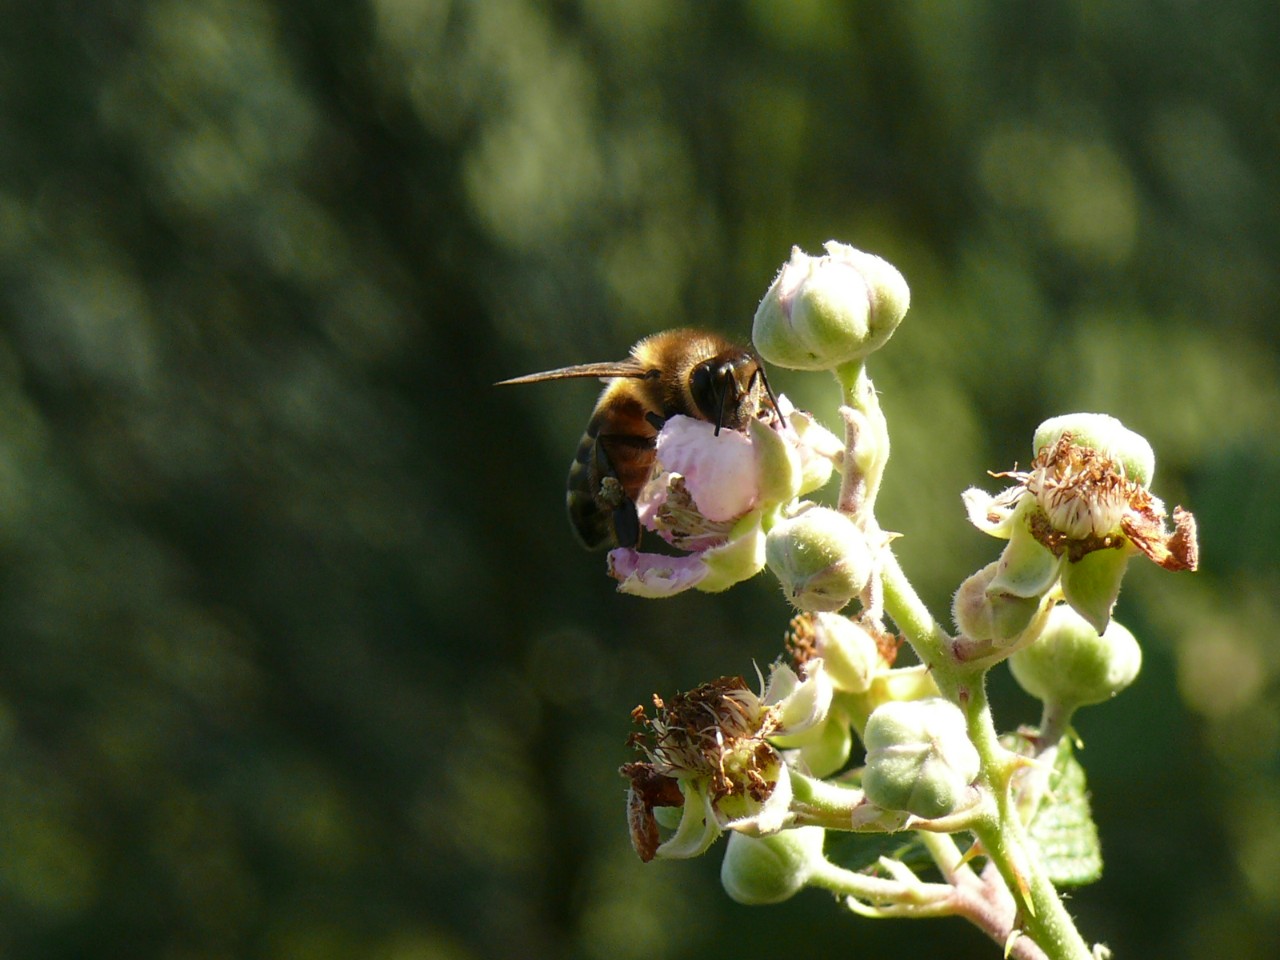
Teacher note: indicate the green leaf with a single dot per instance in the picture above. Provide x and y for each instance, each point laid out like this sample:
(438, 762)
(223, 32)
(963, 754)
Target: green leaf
(1063, 829)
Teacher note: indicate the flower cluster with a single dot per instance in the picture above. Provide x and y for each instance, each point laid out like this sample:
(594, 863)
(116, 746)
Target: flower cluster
(774, 768)
(715, 494)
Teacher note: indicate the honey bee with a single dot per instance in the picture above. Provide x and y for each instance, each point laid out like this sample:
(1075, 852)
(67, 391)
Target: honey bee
(690, 372)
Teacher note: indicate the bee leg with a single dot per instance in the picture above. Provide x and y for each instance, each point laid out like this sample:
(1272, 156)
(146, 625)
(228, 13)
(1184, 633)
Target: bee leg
(616, 459)
(656, 420)
(626, 524)
(622, 509)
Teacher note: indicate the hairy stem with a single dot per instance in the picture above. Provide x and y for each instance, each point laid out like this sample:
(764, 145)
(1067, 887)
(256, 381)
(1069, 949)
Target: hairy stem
(1037, 906)
(1044, 918)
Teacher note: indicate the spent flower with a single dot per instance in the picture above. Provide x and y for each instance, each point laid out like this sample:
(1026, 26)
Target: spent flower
(850, 650)
(708, 752)
(1078, 514)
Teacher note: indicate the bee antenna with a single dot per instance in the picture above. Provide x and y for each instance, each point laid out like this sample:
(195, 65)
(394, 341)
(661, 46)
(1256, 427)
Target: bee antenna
(764, 378)
(724, 402)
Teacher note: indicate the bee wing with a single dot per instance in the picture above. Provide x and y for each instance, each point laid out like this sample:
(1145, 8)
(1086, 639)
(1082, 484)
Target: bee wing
(629, 367)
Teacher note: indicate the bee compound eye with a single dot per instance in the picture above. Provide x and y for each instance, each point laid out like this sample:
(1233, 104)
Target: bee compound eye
(705, 390)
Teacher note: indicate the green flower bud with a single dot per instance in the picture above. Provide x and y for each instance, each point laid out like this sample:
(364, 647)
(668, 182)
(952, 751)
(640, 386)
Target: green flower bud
(919, 757)
(1070, 665)
(847, 650)
(761, 870)
(820, 557)
(983, 613)
(1108, 436)
(824, 748)
(822, 312)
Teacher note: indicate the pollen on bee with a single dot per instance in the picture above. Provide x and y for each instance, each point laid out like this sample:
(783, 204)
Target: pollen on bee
(611, 493)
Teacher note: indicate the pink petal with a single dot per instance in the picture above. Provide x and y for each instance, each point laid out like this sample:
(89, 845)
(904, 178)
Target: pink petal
(718, 470)
(653, 574)
(653, 495)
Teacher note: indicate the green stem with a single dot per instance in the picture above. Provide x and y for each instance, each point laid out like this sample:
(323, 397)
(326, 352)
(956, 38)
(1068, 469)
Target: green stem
(850, 375)
(1004, 841)
(865, 456)
(913, 618)
(822, 803)
(883, 896)
(999, 830)
(1055, 721)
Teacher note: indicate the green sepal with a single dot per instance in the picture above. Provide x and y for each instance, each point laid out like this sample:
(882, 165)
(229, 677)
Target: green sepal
(1092, 583)
(740, 558)
(825, 747)
(778, 468)
(1027, 567)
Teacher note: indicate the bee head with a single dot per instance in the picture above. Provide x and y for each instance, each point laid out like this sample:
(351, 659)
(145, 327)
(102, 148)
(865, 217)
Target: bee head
(730, 389)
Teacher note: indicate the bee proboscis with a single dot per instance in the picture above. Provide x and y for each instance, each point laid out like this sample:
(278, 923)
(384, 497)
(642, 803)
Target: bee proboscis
(690, 372)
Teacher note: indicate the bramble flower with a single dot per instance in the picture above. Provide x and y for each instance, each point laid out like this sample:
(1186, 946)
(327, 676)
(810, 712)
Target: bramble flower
(714, 495)
(1079, 513)
(708, 753)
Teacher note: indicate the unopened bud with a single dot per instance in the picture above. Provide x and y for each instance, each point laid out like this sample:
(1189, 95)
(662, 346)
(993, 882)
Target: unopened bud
(919, 757)
(983, 613)
(848, 650)
(761, 870)
(822, 312)
(1071, 665)
(820, 557)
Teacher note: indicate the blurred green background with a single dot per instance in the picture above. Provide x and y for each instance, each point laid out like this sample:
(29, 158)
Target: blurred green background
(299, 658)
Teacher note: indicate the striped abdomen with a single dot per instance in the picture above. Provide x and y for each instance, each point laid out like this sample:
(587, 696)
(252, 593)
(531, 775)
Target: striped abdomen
(612, 464)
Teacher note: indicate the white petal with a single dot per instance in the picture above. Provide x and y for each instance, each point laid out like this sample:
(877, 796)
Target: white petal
(802, 704)
(698, 828)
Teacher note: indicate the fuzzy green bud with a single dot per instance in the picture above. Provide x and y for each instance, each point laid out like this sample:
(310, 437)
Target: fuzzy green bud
(823, 312)
(919, 757)
(1070, 665)
(848, 651)
(820, 557)
(984, 613)
(762, 870)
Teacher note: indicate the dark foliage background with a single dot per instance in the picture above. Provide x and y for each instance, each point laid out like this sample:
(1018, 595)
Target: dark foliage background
(297, 656)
